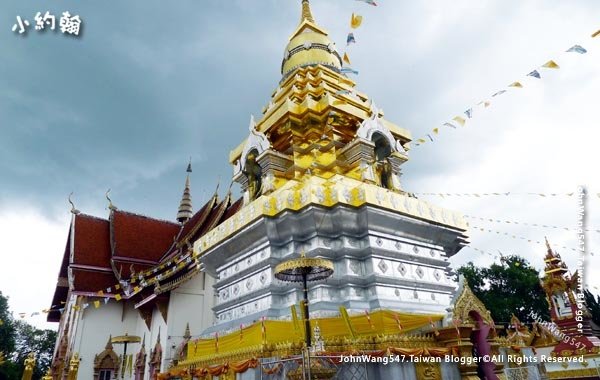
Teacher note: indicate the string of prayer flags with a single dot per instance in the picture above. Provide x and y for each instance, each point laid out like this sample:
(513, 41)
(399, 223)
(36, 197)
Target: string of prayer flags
(517, 237)
(491, 220)
(516, 85)
(535, 74)
(346, 58)
(355, 20)
(577, 49)
(350, 39)
(551, 65)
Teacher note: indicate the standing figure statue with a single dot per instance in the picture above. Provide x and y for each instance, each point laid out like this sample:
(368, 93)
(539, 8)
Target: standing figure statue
(29, 366)
(254, 174)
(385, 173)
(48, 375)
(73, 367)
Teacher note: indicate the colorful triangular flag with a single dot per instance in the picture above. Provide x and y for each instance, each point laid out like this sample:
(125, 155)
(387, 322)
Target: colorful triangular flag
(596, 33)
(118, 297)
(516, 84)
(350, 39)
(535, 74)
(355, 21)
(450, 125)
(96, 304)
(346, 58)
(372, 2)
(460, 120)
(577, 49)
(499, 93)
(469, 113)
(436, 130)
(551, 65)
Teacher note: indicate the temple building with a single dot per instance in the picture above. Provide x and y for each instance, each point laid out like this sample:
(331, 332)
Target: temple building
(320, 173)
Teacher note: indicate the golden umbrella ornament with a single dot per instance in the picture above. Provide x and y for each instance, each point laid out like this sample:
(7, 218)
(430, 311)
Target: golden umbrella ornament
(125, 340)
(304, 269)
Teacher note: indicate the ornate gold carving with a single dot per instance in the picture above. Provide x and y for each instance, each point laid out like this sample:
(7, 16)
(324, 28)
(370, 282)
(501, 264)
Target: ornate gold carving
(468, 302)
(428, 371)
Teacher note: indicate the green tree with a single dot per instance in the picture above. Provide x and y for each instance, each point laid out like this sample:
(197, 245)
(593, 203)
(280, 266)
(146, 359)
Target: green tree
(40, 342)
(17, 340)
(593, 305)
(511, 287)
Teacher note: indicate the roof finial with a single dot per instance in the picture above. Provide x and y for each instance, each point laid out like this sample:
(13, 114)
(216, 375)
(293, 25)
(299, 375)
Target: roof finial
(547, 244)
(185, 206)
(306, 13)
(187, 334)
(74, 211)
(110, 204)
(109, 345)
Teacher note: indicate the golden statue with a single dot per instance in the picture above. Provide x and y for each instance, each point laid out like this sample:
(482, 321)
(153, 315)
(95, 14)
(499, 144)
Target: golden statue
(73, 367)
(384, 171)
(254, 173)
(29, 366)
(48, 375)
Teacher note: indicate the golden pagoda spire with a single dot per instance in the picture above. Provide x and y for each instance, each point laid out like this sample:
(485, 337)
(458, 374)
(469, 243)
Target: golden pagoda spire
(185, 207)
(306, 13)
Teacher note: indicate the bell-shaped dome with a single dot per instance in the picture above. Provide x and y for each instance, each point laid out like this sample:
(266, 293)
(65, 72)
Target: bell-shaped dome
(309, 45)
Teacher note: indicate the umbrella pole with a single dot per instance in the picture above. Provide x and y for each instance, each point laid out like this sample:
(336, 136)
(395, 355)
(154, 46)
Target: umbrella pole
(305, 305)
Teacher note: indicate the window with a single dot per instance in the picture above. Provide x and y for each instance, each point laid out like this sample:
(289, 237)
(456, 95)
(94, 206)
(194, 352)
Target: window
(105, 374)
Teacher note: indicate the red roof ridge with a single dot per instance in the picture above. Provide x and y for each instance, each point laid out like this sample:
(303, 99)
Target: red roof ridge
(147, 217)
(89, 216)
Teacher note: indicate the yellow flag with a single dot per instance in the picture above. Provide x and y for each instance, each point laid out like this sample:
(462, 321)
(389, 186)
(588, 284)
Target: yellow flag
(596, 33)
(551, 65)
(346, 58)
(118, 297)
(355, 21)
(96, 304)
(137, 289)
(421, 141)
(459, 120)
(516, 84)
(100, 293)
(117, 286)
(436, 130)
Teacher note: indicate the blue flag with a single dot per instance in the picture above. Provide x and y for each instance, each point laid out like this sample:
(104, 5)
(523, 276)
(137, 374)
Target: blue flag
(535, 74)
(348, 70)
(350, 39)
(469, 113)
(577, 49)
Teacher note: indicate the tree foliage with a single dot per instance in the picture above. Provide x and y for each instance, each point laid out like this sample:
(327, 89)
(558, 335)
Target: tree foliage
(593, 305)
(17, 340)
(511, 287)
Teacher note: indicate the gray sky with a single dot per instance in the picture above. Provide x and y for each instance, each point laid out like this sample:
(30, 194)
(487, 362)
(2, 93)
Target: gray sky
(149, 84)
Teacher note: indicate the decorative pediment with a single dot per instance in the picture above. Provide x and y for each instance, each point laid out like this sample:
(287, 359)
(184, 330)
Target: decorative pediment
(374, 125)
(256, 141)
(465, 303)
